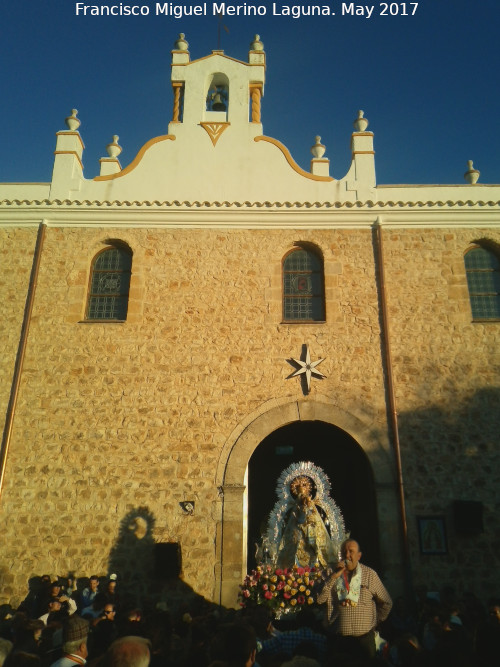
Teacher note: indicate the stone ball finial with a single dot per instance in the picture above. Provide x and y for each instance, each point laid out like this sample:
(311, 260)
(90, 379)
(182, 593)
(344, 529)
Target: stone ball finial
(181, 44)
(318, 150)
(471, 175)
(113, 149)
(72, 122)
(361, 123)
(256, 44)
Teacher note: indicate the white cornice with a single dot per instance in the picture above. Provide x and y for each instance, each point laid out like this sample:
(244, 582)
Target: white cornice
(263, 215)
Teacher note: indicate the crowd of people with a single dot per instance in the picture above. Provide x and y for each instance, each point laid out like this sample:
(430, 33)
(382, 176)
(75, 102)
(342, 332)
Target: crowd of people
(95, 622)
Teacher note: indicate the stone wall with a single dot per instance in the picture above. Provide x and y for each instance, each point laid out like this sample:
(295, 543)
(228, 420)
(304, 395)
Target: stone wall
(16, 251)
(447, 374)
(117, 421)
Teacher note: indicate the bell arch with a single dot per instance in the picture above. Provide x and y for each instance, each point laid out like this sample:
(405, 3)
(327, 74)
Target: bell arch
(369, 434)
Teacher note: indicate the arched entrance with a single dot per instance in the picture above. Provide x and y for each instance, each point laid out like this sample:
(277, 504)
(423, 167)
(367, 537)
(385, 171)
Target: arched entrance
(357, 437)
(341, 458)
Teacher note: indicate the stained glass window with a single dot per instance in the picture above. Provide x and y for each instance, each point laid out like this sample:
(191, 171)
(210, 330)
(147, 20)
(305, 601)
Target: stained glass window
(483, 278)
(109, 285)
(303, 291)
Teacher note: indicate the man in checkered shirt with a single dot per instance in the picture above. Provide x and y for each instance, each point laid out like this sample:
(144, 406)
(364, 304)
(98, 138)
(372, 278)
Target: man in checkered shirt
(357, 602)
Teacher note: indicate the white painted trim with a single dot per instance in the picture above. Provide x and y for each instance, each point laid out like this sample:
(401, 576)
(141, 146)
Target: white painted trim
(137, 217)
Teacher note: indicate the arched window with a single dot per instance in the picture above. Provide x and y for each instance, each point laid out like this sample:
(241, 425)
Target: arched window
(483, 278)
(109, 285)
(303, 287)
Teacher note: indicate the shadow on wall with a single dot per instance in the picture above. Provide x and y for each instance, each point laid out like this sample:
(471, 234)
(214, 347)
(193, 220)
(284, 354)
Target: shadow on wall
(149, 572)
(457, 440)
(450, 452)
(132, 556)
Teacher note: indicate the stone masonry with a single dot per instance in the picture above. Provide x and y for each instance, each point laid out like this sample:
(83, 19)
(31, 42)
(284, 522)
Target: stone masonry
(112, 417)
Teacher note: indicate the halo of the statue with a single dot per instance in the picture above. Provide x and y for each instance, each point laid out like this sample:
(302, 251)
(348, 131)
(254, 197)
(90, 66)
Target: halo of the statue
(286, 500)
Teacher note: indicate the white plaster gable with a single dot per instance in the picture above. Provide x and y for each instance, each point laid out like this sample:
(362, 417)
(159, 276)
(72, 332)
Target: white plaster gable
(213, 156)
(186, 166)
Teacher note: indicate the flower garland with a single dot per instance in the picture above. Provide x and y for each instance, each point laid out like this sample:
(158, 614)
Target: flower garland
(282, 590)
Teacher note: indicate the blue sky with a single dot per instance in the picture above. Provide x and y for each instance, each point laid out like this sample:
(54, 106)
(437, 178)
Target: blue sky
(428, 83)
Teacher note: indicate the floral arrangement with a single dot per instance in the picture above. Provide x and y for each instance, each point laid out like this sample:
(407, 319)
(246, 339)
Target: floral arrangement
(282, 590)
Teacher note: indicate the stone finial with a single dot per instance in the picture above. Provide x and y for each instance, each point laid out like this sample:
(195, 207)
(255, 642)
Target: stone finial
(471, 175)
(256, 44)
(113, 149)
(318, 150)
(181, 44)
(361, 123)
(72, 122)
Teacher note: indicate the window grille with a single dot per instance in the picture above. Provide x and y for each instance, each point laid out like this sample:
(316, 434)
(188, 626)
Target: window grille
(483, 278)
(303, 287)
(109, 285)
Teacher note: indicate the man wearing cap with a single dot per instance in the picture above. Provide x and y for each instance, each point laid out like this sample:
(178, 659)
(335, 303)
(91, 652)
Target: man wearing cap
(75, 633)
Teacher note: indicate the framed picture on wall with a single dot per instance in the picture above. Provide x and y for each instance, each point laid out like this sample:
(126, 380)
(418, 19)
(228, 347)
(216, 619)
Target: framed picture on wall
(432, 535)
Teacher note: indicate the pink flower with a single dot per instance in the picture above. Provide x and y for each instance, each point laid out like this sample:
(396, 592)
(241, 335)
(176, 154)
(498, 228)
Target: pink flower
(287, 596)
(301, 599)
(268, 595)
(279, 571)
(280, 585)
(265, 587)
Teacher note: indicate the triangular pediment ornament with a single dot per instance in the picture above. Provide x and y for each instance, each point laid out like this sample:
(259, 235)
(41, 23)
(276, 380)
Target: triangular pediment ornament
(214, 130)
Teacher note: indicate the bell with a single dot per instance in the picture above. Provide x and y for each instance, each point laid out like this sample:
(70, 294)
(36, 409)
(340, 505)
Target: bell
(218, 103)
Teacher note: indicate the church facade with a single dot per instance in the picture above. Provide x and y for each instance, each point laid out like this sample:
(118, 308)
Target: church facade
(178, 331)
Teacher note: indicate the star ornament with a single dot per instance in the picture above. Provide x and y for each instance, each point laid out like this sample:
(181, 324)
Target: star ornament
(307, 368)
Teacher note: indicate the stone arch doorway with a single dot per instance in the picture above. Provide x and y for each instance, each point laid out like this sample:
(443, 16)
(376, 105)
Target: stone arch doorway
(364, 432)
(342, 459)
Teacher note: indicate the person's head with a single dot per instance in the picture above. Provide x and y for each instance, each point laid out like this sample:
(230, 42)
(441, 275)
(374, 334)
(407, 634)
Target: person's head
(351, 554)
(235, 644)
(111, 586)
(94, 582)
(76, 647)
(128, 652)
(109, 611)
(75, 633)
(55, 589)
(54, 605)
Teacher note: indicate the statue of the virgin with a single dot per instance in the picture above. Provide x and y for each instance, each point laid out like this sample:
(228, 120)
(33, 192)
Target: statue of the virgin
(306, 527)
